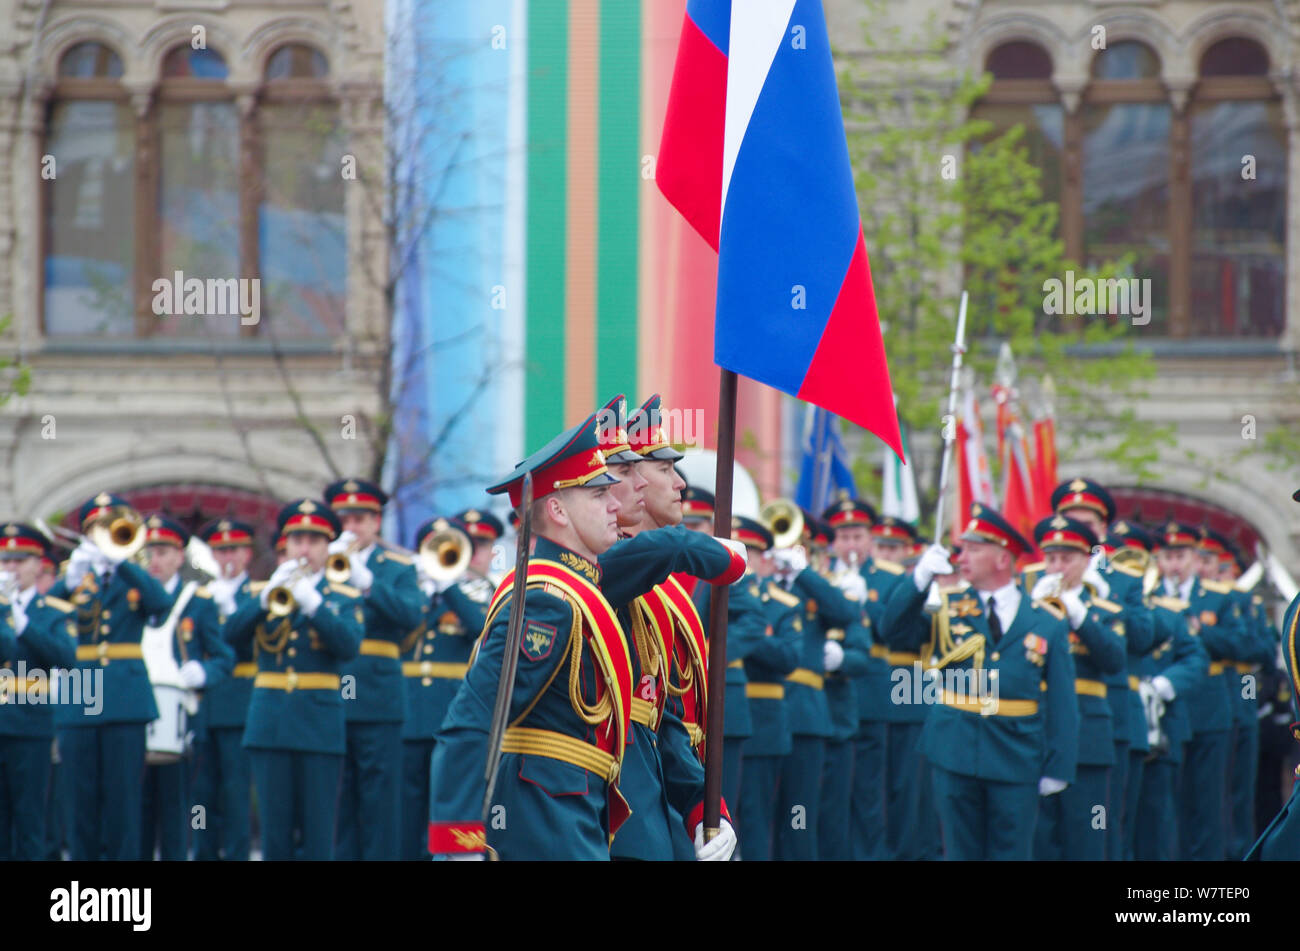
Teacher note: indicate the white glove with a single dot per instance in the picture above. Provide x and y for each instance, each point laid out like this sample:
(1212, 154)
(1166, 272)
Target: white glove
(793, 560)
(733, 546)
(1075, 610)
(719, 849)
(342, 543)
(223, 594)
(427, 585)
(361, 576)
(1045, 586)
(1100, 584)
(193, 675)
(853, 585)
(19, 616)
(1047, 786)
(466, 857)
(1163, 687)
(278, 578)
(832, 656)
(308, 598)
(933, 562)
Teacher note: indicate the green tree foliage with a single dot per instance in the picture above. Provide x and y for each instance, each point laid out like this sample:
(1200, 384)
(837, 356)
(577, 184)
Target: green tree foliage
(947, 204)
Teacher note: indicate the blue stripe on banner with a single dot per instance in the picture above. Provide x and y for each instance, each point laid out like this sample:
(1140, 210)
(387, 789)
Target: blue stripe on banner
(791, 222)
(713, 17)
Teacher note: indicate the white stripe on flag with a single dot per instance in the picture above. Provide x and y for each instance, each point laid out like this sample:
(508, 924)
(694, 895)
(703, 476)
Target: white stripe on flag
(757, 29)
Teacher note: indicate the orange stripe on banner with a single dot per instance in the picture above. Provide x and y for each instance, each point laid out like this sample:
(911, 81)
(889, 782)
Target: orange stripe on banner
(580, 242)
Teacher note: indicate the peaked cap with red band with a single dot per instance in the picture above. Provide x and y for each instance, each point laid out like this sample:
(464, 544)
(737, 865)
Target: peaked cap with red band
(849, 511)
(611, 432)
(1059, 532)
(1179, 535)
(355, 495)
(697, 503)
(572, 458)
(645, 433)
(161, 530)
(1083, 494)
(227, 533)
(751, 532)
(988, 526)
(100, 505)
(478, 524)
(308, 515)
(20, 541)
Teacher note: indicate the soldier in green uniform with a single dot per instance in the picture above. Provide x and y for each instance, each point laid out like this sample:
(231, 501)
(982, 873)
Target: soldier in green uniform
(296, 735)
(1172, 672)
(435, 659)
(765, 668)
(370, 801)
(37, 638)
(1068, 823)
(1216, 620)
(556, 795)
(1218, 562)
(223, 777)
(1281, 840)
(1005, 730)
(203, 659)
(110, 705)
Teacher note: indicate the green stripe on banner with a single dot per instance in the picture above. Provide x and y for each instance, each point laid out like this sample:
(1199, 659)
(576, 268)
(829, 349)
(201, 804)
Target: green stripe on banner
(618, 194)
(548, 85)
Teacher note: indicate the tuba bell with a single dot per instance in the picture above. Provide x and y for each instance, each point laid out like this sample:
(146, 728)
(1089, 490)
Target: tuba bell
(445, 552)
(784, 520)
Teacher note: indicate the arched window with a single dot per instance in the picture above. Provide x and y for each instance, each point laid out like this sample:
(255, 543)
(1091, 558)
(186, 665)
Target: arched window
(89, 168)
(198, 212)
(301, 220)
(1237, 155)
(1125, 140)
(191, 187)
(1022, 94)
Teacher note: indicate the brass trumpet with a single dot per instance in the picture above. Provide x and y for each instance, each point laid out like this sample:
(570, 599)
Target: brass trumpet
(445, 552)
(784, 520)
(279, 600)
(119, 533)
(338, 567)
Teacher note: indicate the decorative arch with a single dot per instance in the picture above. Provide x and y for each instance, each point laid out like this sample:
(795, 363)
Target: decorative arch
(67, 33)
(1216, 25)
(1010, 27)
(176, 31)
(270, 36)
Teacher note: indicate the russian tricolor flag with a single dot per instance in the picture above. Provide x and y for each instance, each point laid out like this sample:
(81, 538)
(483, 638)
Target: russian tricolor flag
(754, 156)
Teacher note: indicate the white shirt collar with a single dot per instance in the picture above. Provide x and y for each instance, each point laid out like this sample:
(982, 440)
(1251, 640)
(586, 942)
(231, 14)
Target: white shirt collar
(24, 597)
(173, 584)
(1007, 599)
(365, 553)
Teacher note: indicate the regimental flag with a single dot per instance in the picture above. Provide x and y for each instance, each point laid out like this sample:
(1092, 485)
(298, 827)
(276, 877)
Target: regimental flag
(1021, 504)
(824, 471)
(898, 493)
(1044, 462)
(754, 156)
(974, 476)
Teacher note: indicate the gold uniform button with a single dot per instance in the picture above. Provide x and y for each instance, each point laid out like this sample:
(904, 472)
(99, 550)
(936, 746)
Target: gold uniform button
(106, 615)
(293, 652)
(426, 681)
(293, 636)
(428, 648)
(104, 628)
(996, 655)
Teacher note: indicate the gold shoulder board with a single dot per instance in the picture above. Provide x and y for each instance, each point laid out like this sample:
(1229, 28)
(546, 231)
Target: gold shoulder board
(401, 558)
(1218, 587)
(1051, 609)
(953, 589)
(1131, 570)
(1177, 605)
(255, 587)
(777, 593)
(202, 593)
(889, 567)
(347, 589)
(1036, 566)
(64, 606)
(1107, 605)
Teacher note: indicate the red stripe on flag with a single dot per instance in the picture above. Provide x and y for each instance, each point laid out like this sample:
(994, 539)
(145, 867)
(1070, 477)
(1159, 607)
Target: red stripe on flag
(689, 169)
(848, 374)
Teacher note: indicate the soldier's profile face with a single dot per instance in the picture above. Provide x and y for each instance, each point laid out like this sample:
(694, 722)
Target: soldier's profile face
(481, 560)
(663, 492)
(1207, 565)
(593, 516)
(630, 492)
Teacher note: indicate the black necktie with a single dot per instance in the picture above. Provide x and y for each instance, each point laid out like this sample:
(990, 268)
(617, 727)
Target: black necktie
(995, 623)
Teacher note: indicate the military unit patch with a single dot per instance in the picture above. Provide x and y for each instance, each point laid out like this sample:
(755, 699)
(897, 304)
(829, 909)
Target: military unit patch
(537, 641)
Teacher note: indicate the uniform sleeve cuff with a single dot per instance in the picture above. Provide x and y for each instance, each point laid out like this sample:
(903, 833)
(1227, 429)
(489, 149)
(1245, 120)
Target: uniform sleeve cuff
(696, 816)
(734, 571)
(447, 837)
